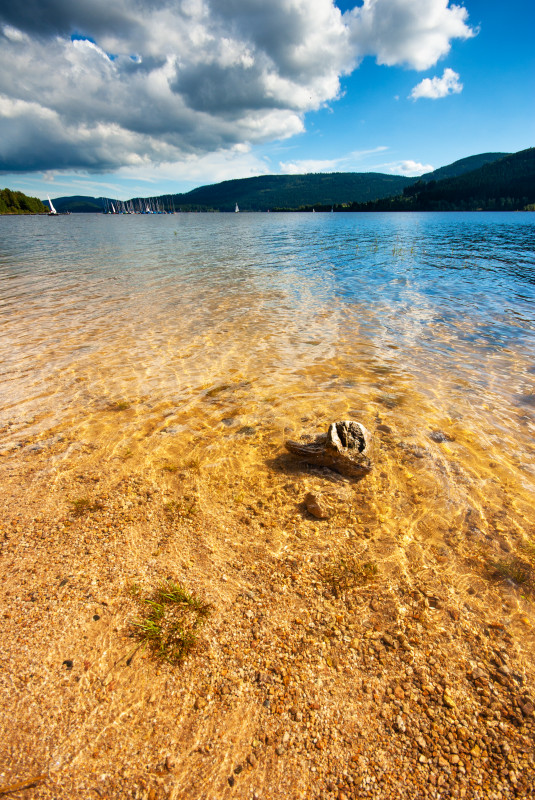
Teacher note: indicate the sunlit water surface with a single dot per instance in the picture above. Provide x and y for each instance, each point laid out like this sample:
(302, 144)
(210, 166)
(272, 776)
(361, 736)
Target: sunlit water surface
(210, 338)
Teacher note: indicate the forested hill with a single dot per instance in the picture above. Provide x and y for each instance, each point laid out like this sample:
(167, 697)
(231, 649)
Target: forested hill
(507, 184)
(294, 192)
(268, 192)
(462, 166)
(80, 204)
(343, 190)
(18, 203)
(263, 193)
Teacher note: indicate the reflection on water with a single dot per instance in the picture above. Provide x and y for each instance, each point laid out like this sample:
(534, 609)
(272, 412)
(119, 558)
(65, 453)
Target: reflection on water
(213, 337)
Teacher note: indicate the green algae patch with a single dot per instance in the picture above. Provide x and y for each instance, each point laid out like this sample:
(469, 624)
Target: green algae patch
(172, 625)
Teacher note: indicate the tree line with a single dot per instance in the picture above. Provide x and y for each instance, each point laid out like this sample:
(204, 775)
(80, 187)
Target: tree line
(18, 203)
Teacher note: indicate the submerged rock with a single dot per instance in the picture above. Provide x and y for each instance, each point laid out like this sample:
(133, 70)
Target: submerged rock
(314, 506)
(441, 436)
(345, 448)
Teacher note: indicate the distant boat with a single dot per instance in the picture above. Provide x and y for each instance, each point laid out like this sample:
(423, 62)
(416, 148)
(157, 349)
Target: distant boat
(53, 211)
(236, 210)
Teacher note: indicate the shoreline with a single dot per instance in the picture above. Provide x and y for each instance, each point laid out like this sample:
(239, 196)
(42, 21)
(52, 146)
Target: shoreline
(314, 676)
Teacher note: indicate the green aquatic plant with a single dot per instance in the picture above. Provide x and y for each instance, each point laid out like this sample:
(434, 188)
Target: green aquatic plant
(346, 574)
(171, 627)
(83, 505)
(518, 570)
(175, 509)
(119, 405)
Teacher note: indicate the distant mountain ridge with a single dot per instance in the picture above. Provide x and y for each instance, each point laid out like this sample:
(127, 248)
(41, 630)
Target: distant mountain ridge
(78, 204)
(292, 192)
(462, 166)
(269, 192)
(507, 184)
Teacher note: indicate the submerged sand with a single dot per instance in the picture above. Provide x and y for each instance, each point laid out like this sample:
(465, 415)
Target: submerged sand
(384, 652)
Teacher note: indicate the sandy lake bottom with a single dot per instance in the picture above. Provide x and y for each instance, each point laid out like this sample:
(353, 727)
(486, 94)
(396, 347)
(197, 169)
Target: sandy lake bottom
(384, 650)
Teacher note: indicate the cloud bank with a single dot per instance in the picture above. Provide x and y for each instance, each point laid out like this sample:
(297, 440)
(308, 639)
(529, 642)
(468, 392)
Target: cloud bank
(434, 88)
(96, 85)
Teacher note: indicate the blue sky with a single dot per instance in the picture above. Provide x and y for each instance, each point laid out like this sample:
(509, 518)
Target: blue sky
(150, 97)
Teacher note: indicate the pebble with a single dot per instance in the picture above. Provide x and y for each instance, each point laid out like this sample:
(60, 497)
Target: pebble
(399, 725)
(314, 507)
(247, 430)
(440, 436)
(527, 709)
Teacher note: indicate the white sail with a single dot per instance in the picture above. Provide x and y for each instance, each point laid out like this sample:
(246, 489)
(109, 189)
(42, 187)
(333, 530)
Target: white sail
(52, 209)
(236, 209)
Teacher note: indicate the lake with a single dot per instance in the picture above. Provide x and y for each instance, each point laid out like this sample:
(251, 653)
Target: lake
(203, 341)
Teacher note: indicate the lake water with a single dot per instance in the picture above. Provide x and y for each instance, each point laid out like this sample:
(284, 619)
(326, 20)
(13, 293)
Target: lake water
(207, 339)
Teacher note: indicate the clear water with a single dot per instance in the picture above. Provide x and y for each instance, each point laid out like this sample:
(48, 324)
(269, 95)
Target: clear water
(166, 307)
(208, 339)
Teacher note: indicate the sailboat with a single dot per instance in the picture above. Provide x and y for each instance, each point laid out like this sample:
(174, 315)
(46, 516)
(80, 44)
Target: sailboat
(236, 210)
(53, 212)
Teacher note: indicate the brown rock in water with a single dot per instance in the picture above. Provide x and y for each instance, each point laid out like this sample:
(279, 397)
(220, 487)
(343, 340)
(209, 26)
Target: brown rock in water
(314, 507)
(345, 448)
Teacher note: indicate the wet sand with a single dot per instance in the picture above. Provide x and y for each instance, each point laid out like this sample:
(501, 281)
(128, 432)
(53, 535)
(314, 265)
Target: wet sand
(383, 652)
(151, 372)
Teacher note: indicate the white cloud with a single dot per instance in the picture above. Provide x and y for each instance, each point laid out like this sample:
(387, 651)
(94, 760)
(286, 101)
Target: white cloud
(238, 162)
(408, 168)
(347, 162)
(309, 165)
(147, 82)
(415, 33)
(436, 87)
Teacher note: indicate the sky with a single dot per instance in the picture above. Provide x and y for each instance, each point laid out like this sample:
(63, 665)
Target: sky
(126, 98)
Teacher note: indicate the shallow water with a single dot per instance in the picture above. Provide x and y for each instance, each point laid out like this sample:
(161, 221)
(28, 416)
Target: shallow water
(165, 308)
(207, 339)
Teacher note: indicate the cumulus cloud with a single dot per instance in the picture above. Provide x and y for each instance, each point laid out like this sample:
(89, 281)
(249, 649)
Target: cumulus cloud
(409, 32)
(436, 87)
(97, 85)
(408, 168)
